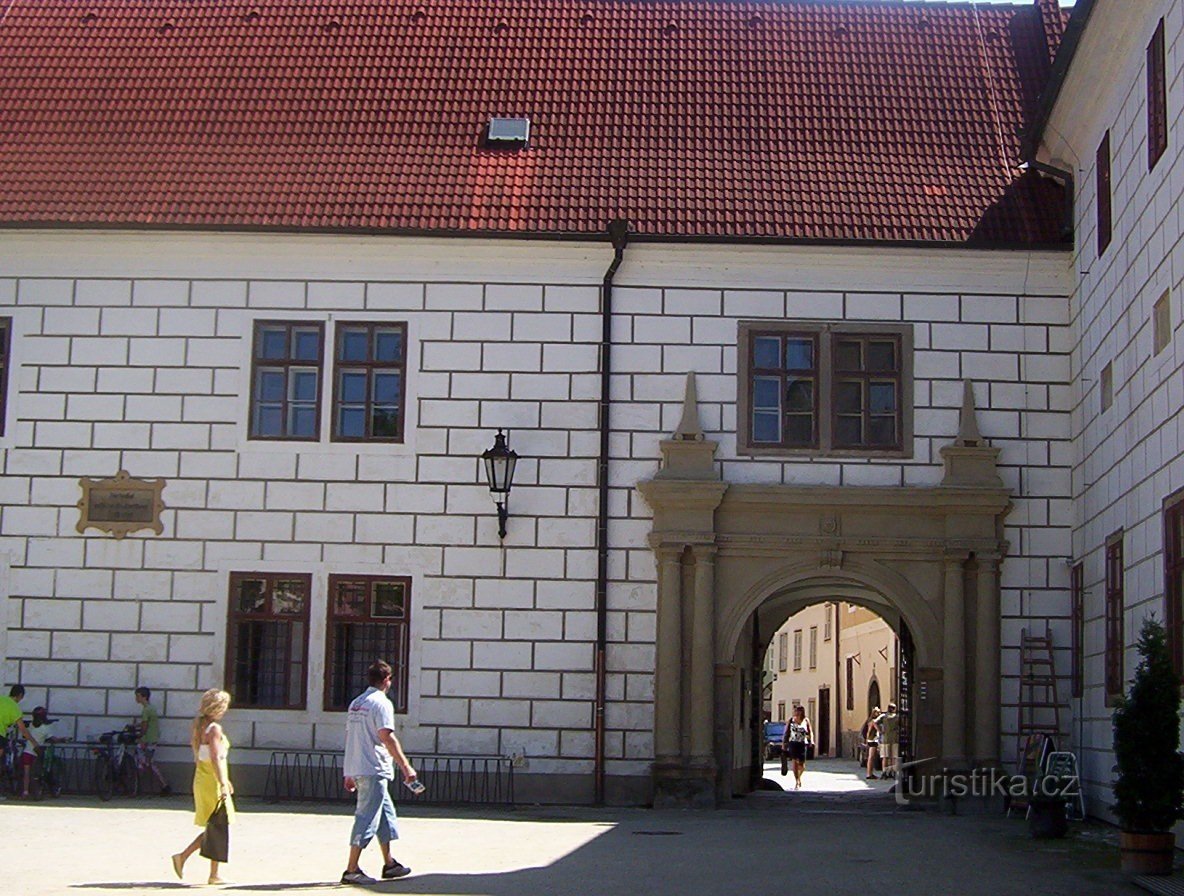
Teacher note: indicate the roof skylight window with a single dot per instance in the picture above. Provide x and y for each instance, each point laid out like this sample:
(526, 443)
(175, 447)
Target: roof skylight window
(508, 133)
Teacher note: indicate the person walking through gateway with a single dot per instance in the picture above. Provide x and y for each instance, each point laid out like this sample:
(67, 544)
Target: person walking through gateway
(798, 734)
(889, 725)
(370, 747)
(211, 773)
(873, 743)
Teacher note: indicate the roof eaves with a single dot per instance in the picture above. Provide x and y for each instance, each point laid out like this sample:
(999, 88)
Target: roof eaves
(975, 243)
(1060, 70)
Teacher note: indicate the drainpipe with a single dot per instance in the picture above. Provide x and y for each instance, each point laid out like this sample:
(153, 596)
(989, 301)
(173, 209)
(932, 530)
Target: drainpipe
(618, 234)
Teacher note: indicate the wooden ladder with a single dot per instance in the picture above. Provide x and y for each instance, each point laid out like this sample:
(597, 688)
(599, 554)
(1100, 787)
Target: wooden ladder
(1039, 706)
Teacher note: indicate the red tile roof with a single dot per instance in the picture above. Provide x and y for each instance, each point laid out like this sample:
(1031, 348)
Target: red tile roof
(787, 119)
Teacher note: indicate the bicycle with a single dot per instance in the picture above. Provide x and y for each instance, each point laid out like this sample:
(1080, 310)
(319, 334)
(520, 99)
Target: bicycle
(10, 768)
(116, 768)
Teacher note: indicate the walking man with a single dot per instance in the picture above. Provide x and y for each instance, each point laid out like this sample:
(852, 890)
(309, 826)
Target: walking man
(149, 730)
(370, 747)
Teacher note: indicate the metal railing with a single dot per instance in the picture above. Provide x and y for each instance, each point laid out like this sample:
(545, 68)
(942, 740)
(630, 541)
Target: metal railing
(71, 770)
(449, 780)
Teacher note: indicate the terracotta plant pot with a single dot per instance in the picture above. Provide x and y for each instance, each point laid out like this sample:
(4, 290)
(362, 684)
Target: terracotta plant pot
(1147, 853)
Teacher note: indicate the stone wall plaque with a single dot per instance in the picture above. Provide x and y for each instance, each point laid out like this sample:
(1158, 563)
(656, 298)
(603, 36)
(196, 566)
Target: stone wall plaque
(121, 505)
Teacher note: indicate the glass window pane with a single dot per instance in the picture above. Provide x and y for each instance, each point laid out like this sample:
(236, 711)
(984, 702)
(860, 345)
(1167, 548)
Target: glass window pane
(269, 385)
(881, 356)
(799, 395)
(304, 420)
(766, 352)
(306, 345)
(766, 393)
(849, 397)
(269, 420)
(882, 431)
(386, 387)
(352, 386)
(882, 398)
(304, 385)
(352, 599)
(849, 355)
(384, 423)
(766, 427)
(799, 429)
(799, 354)
(273, 343)
(849, 431)
(354, 345)
(388, 600)
(287, 598)
(252, 596)
(351, 422)
(388, 345)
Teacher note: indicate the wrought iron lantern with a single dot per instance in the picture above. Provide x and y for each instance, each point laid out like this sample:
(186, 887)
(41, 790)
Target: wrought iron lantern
(499, 471)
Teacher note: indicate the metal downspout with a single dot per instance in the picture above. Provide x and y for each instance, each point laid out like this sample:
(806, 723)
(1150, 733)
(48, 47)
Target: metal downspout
(618, 233)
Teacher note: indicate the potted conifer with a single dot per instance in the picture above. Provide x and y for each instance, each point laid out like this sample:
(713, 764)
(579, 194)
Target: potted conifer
(1149, 790)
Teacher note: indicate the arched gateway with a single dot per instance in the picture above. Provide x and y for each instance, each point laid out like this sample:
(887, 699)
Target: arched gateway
(926, 558)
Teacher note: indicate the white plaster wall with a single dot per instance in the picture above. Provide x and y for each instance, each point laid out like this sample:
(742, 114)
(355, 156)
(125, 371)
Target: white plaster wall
(131, 352)
(1127, 459)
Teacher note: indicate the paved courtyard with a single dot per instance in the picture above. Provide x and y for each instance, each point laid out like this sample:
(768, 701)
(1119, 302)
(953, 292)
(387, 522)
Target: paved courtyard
(839, 835)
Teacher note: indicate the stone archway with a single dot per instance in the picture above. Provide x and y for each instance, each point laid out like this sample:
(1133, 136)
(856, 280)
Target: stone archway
(929, 555)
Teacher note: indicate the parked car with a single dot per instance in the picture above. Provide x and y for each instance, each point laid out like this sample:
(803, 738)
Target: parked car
(774, 732)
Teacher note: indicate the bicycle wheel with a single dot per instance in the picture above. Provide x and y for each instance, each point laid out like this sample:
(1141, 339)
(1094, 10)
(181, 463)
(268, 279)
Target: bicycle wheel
(104, 779)
(129, 776)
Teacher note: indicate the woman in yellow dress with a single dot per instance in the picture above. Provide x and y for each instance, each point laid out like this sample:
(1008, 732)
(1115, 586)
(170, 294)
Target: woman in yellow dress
(211, 776)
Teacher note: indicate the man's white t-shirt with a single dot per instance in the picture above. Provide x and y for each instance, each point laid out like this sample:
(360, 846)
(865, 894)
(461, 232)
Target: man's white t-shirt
(364, 752)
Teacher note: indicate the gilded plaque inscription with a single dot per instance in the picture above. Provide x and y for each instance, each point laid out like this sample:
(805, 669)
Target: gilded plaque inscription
(121, 505)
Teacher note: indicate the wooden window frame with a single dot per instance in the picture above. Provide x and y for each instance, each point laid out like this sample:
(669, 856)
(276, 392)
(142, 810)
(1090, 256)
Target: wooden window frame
(1157, 98)
(783, 374)
(1077, 621)
(781, 711)
(827, 336)
(287, 364)
(797, 650)
(783, 652)
(234, 616)
(865, 378)
(812, 648)
(1115, 635)
(1173, 574)
(5, 366)
(400, 671)
(1104, 198)
(829, 623)
(370, 366)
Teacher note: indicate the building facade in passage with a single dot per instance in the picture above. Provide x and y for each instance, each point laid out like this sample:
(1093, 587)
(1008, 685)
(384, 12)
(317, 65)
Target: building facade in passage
(303, 297)
(1121, 144)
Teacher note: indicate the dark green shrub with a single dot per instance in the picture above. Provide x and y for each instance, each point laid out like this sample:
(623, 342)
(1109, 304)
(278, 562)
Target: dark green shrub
(1149, 791)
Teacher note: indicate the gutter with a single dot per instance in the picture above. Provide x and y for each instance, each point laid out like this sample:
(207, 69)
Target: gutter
(132, 227)
(1070, 43)
(618, 234)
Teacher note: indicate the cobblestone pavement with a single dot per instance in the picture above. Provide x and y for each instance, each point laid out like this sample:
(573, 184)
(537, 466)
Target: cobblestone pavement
(832, 842)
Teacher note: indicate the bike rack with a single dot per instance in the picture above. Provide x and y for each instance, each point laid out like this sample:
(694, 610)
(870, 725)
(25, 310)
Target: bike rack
(450, 780)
